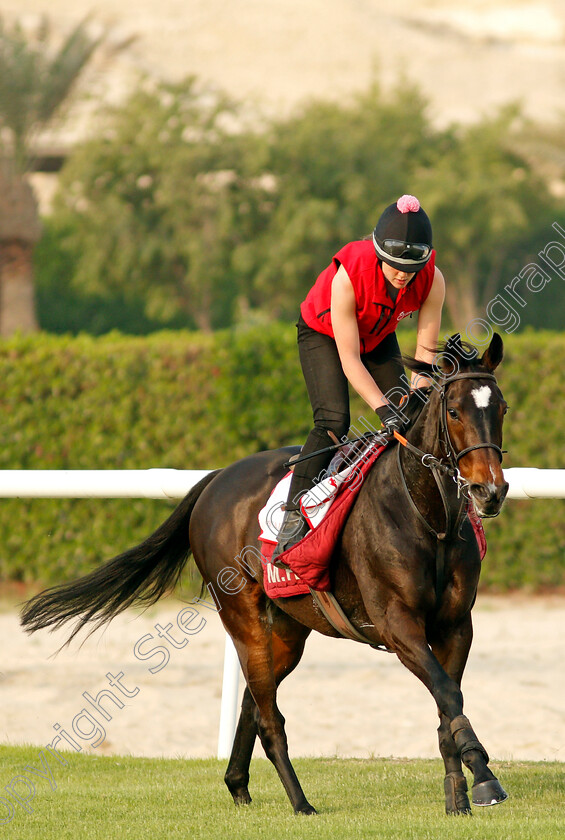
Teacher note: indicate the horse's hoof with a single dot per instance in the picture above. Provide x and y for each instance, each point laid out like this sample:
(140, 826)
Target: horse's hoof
(306, 809)
(240, 794)
(462, 809)
(241, 798)
(490, 792)
(464, 812)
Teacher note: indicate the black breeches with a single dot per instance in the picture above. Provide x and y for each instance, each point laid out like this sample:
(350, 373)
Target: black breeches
(328, 390)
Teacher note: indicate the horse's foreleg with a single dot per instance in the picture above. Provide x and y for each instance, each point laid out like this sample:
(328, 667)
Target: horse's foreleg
(487, 790)
(405, 634)
(456, 736)
(451, 650)
(255, 642)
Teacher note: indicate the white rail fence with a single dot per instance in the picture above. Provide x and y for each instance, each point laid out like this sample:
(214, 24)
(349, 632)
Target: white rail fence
(525, 483)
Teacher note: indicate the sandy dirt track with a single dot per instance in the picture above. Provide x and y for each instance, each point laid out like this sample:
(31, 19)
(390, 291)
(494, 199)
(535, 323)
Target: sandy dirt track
(344, 699)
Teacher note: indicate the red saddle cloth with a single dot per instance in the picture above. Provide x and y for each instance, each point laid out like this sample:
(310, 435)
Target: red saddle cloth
(308, 561)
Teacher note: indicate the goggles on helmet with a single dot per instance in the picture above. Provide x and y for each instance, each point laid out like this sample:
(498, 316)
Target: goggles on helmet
(406, 250)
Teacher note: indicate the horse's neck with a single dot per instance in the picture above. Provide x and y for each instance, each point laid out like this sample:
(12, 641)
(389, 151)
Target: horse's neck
(424, 433)
(420, 481)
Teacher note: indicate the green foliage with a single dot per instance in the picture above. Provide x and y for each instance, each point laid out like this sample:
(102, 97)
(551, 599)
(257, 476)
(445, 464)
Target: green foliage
(156, 209)
(491, 212)
(190, 401)
(63, 307)
(180, 213)
(336, 168)
(527, 542)
(173, 400)
(389, 799)
(35, 80)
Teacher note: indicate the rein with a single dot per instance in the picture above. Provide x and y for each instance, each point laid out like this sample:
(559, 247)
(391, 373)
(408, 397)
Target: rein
(439, 470)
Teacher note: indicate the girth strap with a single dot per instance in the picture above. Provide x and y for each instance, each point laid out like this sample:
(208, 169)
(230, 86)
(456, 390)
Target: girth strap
(332, 612)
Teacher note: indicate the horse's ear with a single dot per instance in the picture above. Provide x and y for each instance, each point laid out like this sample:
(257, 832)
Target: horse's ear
(492, 356)
(462, 350)
(453, 343)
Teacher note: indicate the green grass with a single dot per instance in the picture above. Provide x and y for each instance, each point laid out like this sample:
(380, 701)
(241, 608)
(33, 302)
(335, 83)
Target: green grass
(118, 797)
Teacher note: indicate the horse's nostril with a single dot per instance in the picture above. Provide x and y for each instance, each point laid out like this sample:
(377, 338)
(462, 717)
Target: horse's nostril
(486, 493)
(502, 491)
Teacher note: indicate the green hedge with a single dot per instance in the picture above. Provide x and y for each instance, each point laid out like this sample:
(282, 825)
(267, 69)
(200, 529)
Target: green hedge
(527, 541)
(190, 401)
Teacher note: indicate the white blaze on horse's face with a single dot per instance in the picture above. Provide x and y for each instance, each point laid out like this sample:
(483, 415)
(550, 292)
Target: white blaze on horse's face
(474, 422)
(482, 396)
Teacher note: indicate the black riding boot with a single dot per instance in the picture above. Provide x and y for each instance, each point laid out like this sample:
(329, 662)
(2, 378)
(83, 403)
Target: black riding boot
(293, 528)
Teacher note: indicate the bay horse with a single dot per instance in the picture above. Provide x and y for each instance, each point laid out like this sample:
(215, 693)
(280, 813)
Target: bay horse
(405, 568)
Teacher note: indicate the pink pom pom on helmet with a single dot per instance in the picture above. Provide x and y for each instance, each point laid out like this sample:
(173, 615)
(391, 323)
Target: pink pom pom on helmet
(408, 204)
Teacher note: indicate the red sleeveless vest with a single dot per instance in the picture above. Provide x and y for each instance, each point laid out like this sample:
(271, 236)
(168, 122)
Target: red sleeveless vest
(377, 314)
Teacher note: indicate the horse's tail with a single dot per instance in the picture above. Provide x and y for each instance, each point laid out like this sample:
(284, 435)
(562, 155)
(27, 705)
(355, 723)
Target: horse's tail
(141, 575)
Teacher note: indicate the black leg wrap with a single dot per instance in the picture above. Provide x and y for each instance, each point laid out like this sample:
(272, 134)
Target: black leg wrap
(465, 738)
(456, 799)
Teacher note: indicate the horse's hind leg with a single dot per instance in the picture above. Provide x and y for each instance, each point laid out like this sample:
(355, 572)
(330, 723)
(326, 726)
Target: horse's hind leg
(288, 638)
(267, 654)
(237, 773)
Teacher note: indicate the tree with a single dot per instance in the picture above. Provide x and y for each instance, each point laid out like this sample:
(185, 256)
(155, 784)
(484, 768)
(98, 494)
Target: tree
(179, 212)
(178, 204)
(489, 210)
(158, 208)
(35, 83)
(336, 168)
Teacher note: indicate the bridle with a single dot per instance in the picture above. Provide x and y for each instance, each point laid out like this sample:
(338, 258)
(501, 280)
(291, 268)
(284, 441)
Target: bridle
(455, 457)
(427, 459)
(450, 468)
(440, 469)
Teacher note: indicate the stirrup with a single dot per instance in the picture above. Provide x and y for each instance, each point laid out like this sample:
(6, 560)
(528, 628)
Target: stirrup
(294, 527)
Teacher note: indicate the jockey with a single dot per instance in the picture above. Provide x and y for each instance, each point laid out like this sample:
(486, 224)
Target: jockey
(346, 334)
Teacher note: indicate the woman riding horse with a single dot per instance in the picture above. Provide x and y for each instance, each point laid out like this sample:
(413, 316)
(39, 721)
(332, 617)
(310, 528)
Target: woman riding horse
(405, 569)
(346, 333)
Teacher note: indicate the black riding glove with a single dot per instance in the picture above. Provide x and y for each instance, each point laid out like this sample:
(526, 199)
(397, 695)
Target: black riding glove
(390, 419)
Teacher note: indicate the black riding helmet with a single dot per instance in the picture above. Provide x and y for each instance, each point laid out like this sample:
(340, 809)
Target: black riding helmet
(403, 235)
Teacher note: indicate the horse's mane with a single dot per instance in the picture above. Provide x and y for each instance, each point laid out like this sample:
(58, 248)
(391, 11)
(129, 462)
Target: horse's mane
(414, 405)
(451, 356)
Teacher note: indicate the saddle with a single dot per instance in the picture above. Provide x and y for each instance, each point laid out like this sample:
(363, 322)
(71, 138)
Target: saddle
(308, 561)
(325, 508)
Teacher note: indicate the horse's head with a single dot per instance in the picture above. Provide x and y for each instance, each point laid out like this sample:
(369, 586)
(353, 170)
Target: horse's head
(470, 409)
(472, 413)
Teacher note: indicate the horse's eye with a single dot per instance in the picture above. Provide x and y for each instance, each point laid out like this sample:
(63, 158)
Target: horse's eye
(452, 413)
(505, 409)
